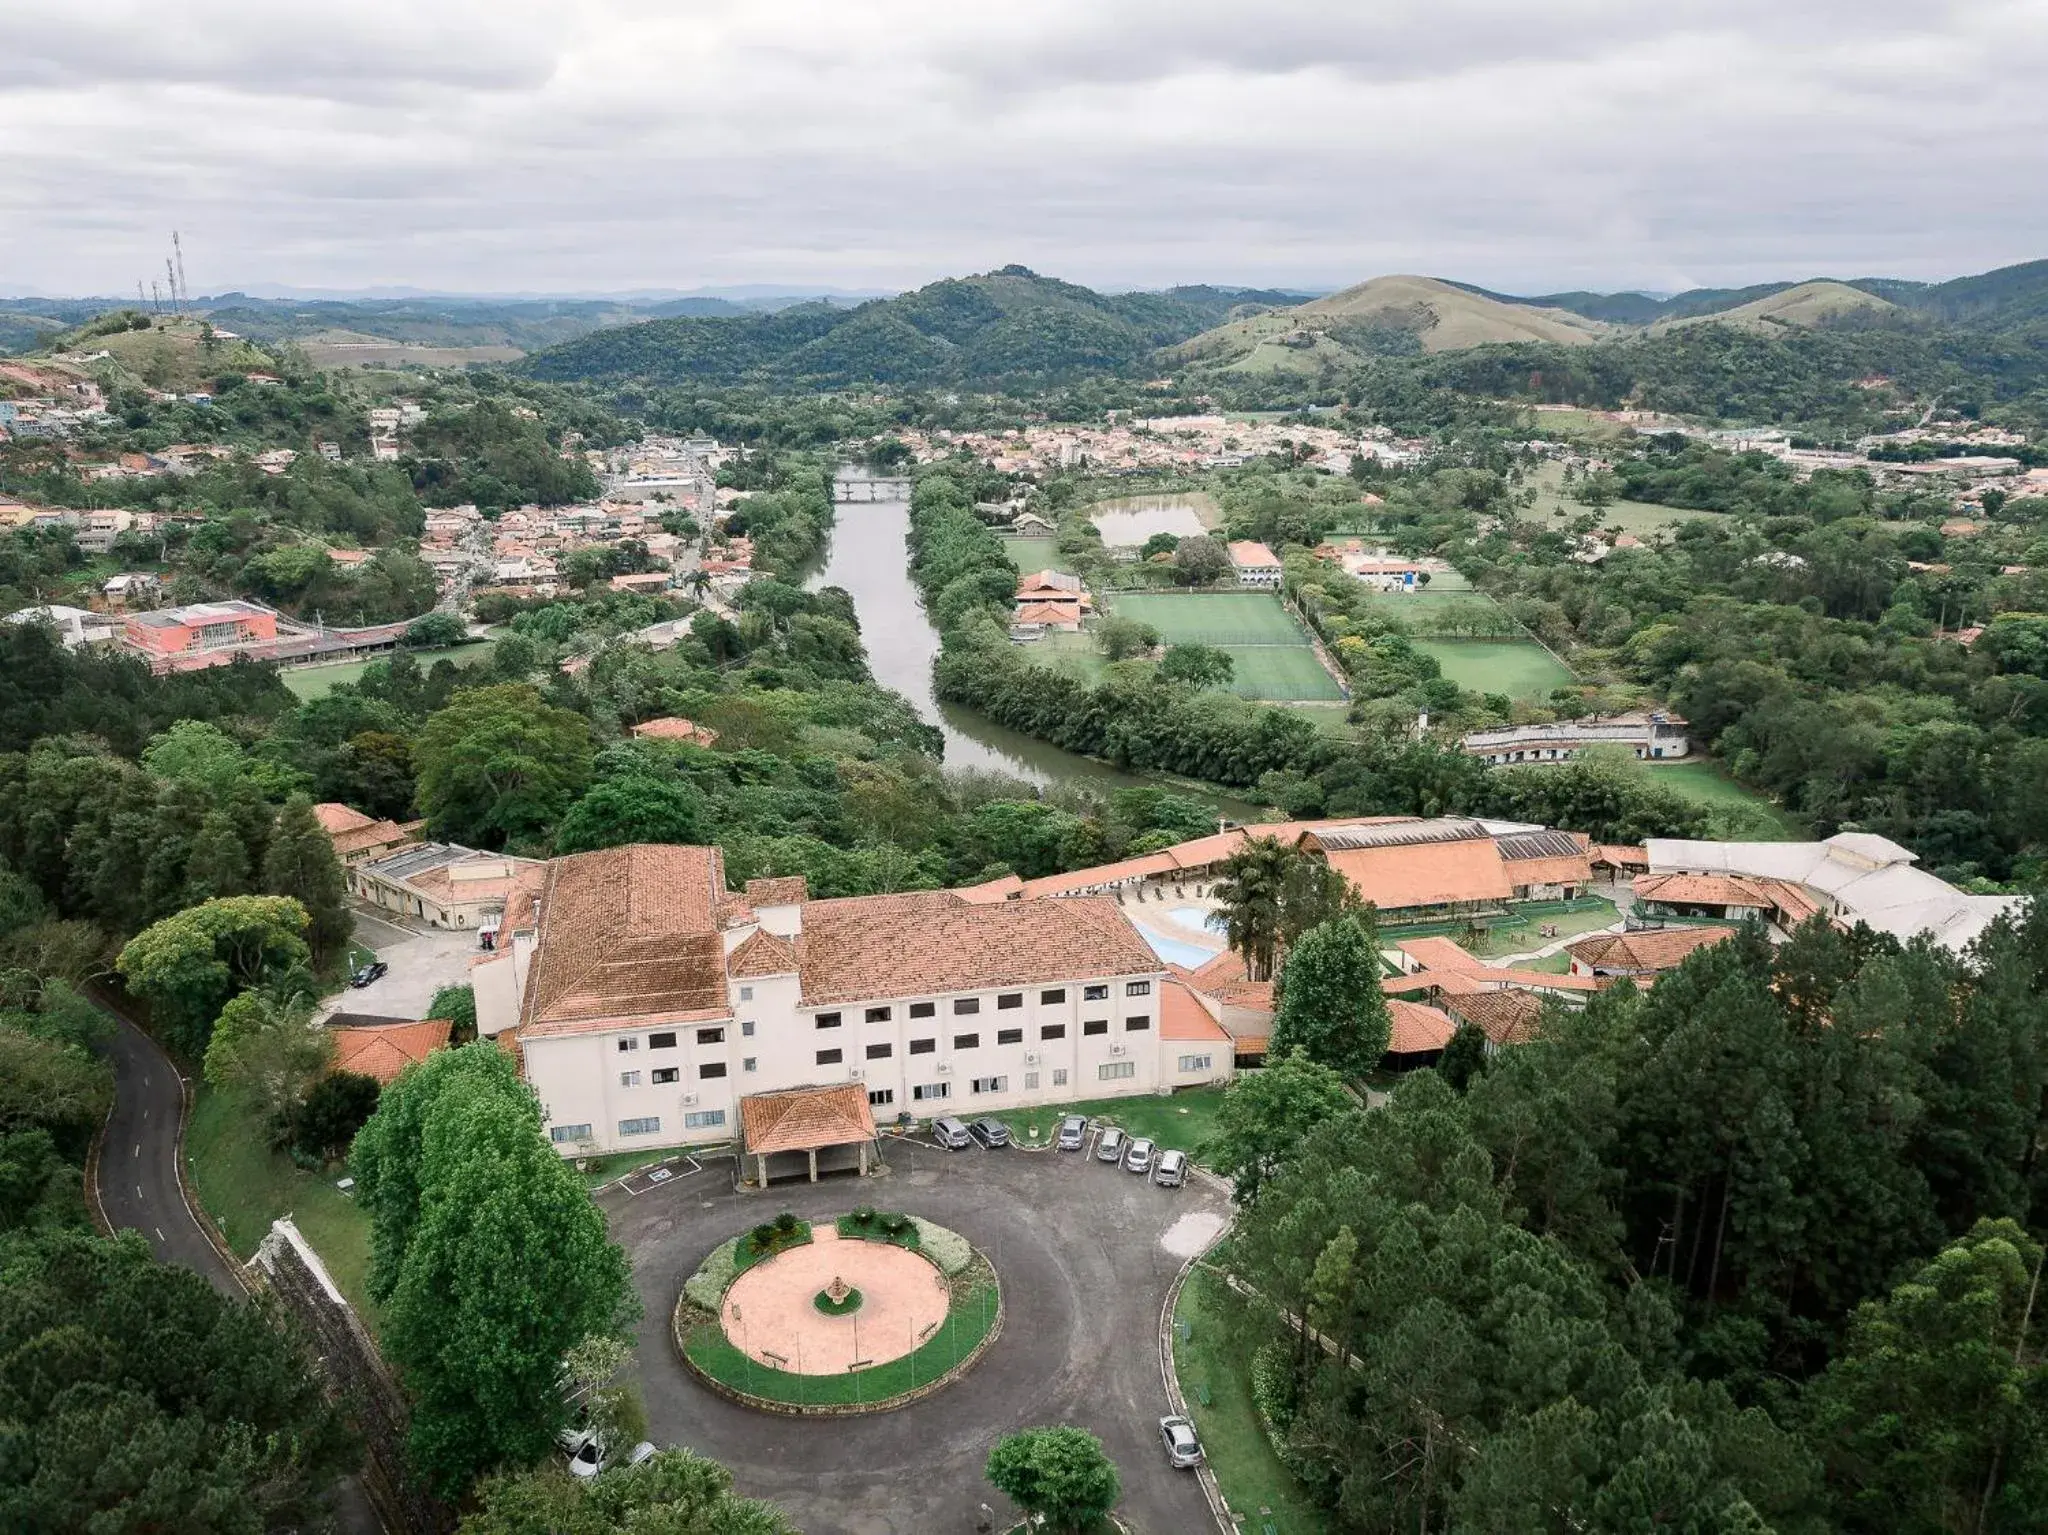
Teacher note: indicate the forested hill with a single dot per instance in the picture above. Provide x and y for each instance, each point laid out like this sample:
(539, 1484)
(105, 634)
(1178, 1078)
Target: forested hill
(1008, 325)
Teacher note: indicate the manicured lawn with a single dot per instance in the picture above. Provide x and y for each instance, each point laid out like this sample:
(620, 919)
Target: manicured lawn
(310, 682)
(245, 1186)
(1034, 554)
(1518, 668)
(1642, 518)
(972, 1314)
(1280, 674)
(1703, 781)
(1258, 1488)
(1212, 618)
(1592, 916)
(1183, 1122)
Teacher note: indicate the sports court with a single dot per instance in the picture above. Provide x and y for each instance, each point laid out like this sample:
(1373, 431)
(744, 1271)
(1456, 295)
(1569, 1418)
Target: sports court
(1518, 668)
(1269, 654)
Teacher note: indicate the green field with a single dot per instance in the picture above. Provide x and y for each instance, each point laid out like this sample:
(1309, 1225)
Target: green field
(1280, 674)
(1704, 782)
(1641, 518)
(1035, 554)
(1184, 1122)
(310, 682)
(1212, 618)
(245, 1186)
(1518, 668)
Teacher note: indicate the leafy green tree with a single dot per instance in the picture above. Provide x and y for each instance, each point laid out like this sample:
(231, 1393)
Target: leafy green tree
(1464, 1056)
(673, 1492)
(53, 1085)
(192, 751)
(1061, 1475)
(1331, 1008)
(458, 1005)
(336, 1108)
(300, 862)
(1251, 894)
(634, 807)
(138, 1398)
(267, 1047)
(188, 965)
(1199, 560)
(1199, 666)
(434, 630)
(218, 862)
(1265, 1115)
(488, 1259)
(1934, 1417)
(1121, 638)
(498, 764)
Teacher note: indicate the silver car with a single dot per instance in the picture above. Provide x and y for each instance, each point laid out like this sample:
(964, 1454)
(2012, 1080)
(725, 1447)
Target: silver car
(1073, 1132)
(951, 1134)
(1172, 1171)
(1140, 1157)
(1183, 1449)
(1111, 1147)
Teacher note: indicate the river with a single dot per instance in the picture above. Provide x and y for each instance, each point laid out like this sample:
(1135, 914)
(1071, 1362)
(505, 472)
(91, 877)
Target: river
(866, 554)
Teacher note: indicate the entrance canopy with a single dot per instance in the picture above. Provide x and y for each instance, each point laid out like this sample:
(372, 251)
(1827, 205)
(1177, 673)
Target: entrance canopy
(806, 1120)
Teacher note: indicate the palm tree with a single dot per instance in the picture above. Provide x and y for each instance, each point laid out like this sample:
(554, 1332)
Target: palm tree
(1254, 883)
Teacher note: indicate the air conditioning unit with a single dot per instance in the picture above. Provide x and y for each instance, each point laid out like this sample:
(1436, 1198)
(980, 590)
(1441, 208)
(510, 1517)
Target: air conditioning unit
(1116, 1049)
(856, 1073)
(1030, 1057)
(944, 1067)
(688, 1099)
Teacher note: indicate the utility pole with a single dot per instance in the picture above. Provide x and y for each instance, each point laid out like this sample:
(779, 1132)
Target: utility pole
(171, 281)
(184, 288)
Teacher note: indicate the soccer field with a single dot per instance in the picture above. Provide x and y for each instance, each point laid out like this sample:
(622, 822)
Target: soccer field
(1518, 668)
(1212, 618)
(1279, 674)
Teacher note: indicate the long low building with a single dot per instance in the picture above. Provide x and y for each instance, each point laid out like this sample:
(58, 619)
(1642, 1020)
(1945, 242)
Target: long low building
(647, 1001)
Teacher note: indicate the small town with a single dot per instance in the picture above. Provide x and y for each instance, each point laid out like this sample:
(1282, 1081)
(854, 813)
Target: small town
(1023, 771)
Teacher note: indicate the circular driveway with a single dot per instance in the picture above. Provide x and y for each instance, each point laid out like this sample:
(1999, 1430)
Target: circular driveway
(1080, 1247)
(770, 1311)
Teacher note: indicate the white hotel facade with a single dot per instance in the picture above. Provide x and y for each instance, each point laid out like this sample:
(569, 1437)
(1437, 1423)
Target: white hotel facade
(645, 1000)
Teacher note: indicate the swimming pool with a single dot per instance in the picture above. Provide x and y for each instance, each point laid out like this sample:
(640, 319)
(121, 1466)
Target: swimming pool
(1198, 919)
(1187, 955)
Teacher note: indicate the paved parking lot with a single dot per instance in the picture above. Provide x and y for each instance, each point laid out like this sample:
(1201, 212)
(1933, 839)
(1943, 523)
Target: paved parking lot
(1083, 1252)
(422, 961)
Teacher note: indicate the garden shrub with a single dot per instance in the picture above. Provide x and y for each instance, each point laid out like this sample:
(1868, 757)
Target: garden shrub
(948, 1249)
(895, 1225)
(763, 1236)
(786, 1222)
(706, 1288)
(864, 1216)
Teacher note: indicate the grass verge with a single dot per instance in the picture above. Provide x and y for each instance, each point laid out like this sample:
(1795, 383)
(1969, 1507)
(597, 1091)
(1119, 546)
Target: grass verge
(244, 1186)
(1184, 1122)
(1259, 1489)
(973, 1312)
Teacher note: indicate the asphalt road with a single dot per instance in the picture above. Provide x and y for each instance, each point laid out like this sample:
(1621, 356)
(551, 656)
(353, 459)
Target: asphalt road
(138, 1171)
(1078, 1246)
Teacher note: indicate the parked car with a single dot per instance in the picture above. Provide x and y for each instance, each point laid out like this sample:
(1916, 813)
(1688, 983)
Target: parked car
(990, 1132)
(1111, 1147)
(951, 1134)
(1183, 1449)
(1140, 1157)
(584, 1450)
(1073, 1132)
(1173, 1169)
(375, 969)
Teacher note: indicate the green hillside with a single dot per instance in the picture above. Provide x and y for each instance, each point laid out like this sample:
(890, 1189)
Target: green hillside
(1010, 324)
(1806, 304)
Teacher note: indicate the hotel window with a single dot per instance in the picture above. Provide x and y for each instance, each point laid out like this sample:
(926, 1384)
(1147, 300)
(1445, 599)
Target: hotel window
(877, 1015)
(1132, 1025)
(711, 1069)
(1115, 1071)
(964, 1005)
(1094, 993)
(991, 1084)
(830, 1057)
(828, 1020)
(666, 1041)
(746, 993)
(628, 1044)
(704, 1119)
(1195, 1062)
(923, 1046)
(746, 1031)
(881, 1097)
(924, 1009)
(1053, 1031)
(928, 1090)
(666, 1074)
(1006, 1000)
(629, 1079)
(880, 1052)
(1137, 988)
(747, 1064)
(966, 1041)
(562, 1135)
(1059, 1076)
(1030, 1081)
(648, 1126)
(1052, 998)
(708, 1036)
(1009, 1036)
(1095, 1026)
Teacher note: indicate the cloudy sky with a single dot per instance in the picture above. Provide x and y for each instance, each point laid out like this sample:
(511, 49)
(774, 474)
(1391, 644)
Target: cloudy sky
(607, 145)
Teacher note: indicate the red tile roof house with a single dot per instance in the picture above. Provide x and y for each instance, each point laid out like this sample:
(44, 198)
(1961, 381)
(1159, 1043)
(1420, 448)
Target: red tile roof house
(649, 1002)
(1052, 598)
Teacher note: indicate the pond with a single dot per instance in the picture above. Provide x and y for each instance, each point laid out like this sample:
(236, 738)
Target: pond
(1128, 521)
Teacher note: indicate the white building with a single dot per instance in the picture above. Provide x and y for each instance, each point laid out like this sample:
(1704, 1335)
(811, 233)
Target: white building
(441, 884)
(75, 626)
(1652, 737)
(1256, 565)
(647, 1000)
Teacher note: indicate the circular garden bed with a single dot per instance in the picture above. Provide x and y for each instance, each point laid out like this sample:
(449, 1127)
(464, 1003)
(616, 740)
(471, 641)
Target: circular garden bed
(868, 1313)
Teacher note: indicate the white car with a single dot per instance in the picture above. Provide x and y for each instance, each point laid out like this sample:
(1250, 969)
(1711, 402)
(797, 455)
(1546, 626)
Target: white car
(1139, 1158)
(1183, 1449)
(586, 1455)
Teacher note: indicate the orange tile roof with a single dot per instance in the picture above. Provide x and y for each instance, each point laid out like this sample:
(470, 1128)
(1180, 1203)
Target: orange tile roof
(1701, 890)
(806, 1118)
(1246, 551)
(788, 890)
(1573, 870)
(368, 837)
(336, 817)
(1644, 952)
(1506, 1017)
(1426, 874)
(627, 932)
(1620, 854)
(383, 1051)
(671, 728)
(1225, 978)
(1047, 613)
(1182, 1016)
(1439, 954)
(929, 941)
(1418, 1028)
(1003, 889)
(762, 954)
